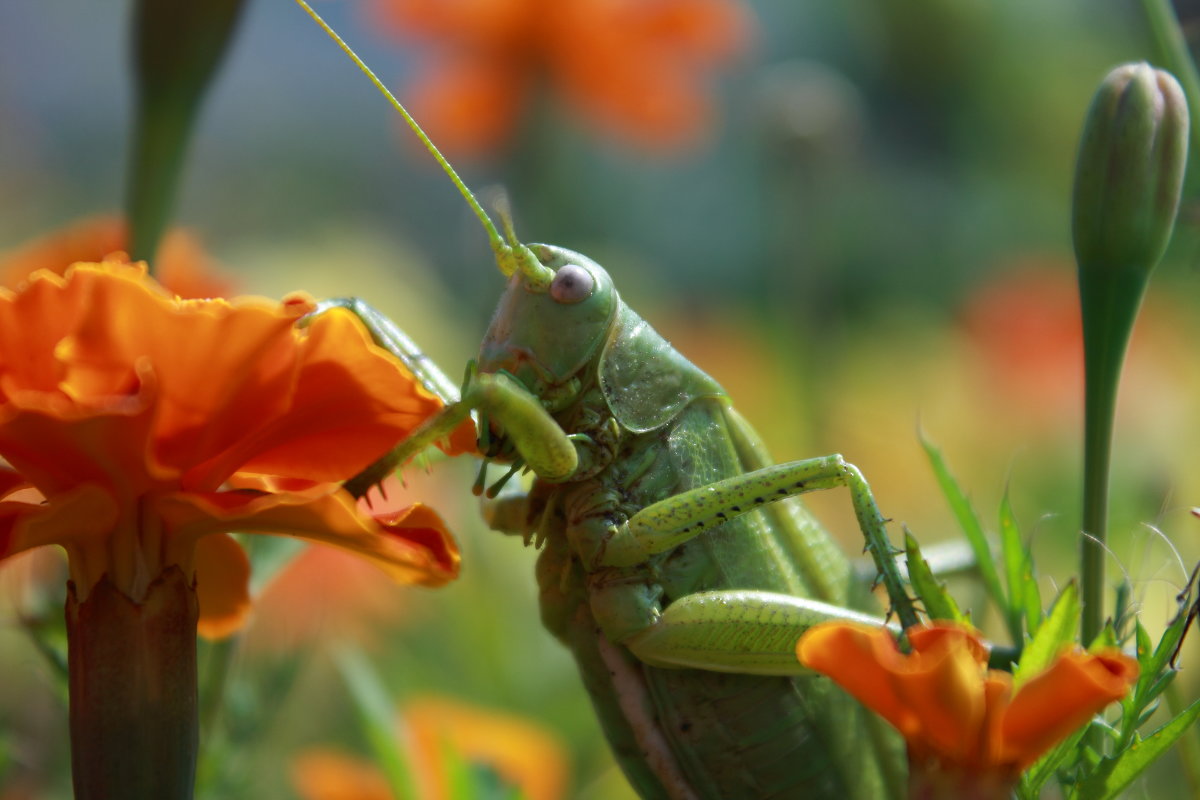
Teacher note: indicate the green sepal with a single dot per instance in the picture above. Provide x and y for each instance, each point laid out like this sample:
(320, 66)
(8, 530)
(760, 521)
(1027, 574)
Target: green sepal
(1056, 632)
(932, 593)
(1024, 607)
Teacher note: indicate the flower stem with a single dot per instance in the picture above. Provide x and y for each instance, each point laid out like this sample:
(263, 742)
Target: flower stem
(133, 691)
(1109, 306)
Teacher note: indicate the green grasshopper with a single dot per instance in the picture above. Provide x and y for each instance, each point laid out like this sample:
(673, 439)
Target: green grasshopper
(668, 566)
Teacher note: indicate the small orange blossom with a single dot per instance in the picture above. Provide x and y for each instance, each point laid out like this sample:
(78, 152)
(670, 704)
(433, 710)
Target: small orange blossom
(959, 718)
(523, 754)
(132, 423)
(629, 67)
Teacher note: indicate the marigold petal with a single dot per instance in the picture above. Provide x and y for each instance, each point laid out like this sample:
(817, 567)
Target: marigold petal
(1057, 702)
(413, 546)
(319, 774)
(859, 659)
(11, 481)
(75, 518)
(222, 585)
(56, 446)
(181, 265)
(934, 696)
(934, 636)
(943, 686)
(352, 402)
(185, 269)
(88, 239)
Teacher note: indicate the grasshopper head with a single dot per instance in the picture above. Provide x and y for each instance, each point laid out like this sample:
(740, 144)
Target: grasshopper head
(545, 332)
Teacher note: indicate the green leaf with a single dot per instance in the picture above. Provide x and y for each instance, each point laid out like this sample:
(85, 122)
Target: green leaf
(1044, 768)
(968, 520)
(937, 601)
(377, 714)
(1056, 632)
(1117, 773)
(1024, 599)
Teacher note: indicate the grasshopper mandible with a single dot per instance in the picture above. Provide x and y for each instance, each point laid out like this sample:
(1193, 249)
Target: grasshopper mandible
(668, 567)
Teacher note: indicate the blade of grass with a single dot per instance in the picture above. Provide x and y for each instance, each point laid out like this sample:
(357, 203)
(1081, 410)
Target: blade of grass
(1024, 600)
(376, 712)
(968, 520)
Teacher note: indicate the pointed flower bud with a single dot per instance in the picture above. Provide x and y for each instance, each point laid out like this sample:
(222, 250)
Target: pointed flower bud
(1127, 183)
(1130, 169)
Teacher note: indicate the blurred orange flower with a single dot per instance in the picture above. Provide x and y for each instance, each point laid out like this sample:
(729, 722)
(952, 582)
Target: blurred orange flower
(964, 726)
(181, 266)
(133, 423)
(523, 754)
(1027, 330)
(630, 68)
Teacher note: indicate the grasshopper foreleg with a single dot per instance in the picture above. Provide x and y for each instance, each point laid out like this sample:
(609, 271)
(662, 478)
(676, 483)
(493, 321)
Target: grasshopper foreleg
(540, 442)
(673, 521)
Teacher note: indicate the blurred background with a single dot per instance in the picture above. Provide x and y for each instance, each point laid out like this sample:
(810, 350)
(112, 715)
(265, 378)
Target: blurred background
(854, 215)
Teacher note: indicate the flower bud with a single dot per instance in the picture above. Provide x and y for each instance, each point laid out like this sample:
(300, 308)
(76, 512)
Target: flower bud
(1130, 169)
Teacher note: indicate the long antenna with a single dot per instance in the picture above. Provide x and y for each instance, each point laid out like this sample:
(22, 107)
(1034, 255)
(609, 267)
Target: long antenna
(497, 242)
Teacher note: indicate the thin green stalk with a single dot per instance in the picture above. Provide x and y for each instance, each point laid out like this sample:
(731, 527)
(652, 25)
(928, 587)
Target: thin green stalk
(1110, 307)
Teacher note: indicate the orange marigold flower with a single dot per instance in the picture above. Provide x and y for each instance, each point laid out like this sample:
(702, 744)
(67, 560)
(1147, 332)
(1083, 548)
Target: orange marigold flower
(961, 720)
(631, 68)
(131, 422)
(523, 754)
(181, 267)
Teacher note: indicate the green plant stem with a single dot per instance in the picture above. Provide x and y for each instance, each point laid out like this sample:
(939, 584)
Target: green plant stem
(1110, 305)
(132, 678)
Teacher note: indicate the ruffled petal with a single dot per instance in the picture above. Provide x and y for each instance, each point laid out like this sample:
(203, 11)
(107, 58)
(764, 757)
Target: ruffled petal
(943, 687)
(75, 519)
(352, 402)
(1057, 702)
(88, 239)
(860, 659)
(934, 696)
(222, 585)
(57, 445)
(413, 546)
(11, 481)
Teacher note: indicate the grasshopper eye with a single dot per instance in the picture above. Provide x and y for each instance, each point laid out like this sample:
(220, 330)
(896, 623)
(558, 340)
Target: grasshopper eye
(571, 284)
